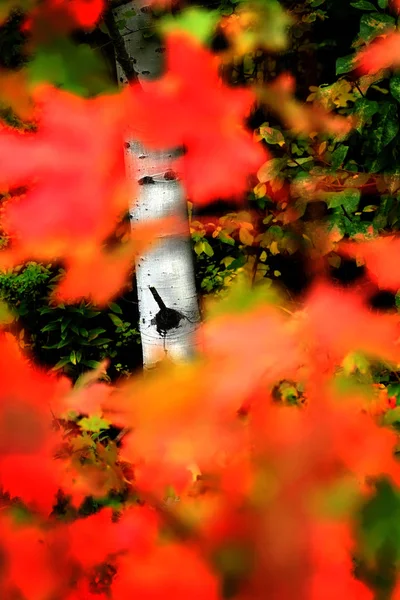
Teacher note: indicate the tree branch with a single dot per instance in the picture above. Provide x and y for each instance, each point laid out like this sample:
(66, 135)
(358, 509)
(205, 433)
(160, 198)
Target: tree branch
(121, 53)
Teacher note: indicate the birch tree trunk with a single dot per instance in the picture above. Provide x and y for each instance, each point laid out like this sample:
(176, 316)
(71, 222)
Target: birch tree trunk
(168, 304)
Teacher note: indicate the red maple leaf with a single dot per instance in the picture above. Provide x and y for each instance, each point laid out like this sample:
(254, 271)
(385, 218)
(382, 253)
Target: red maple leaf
(73, 169)
(189, 106)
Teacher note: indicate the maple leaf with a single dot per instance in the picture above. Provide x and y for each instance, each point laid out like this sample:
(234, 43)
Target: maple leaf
(74, 173)
(276, 354)
(76, 190)
(190, 106)
(178, 419)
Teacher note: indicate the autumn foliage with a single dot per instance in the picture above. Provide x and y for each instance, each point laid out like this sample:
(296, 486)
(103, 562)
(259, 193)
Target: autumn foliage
(213, 488)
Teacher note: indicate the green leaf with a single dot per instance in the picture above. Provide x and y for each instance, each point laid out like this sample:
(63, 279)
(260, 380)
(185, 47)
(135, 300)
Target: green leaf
(62, 344)
(92, 313)
(338, 156)
(92, 364)
(270, 169)
(345, 64)
(272, 136)
(115, 308)
(300, 161)
(363, 5)
(198, 22)
(116, 320)
(61, 363)
(383, 4)
(394, 390)
(208, 249)
(365, 110)
(6, 316)
(199, 247)
(94, 423)
(374, 24)
(72, 357)
(100, 341)
(394, 86)
(93, 333)
(387, 126)
(225, 238)
(65, 323)
(355, 361)
(76, 68)
(392, 417)
(50, 327)
(348, 198)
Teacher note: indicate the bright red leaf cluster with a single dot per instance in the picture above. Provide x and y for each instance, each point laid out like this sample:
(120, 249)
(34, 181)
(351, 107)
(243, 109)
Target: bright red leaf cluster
(71, 171)
(189, 106)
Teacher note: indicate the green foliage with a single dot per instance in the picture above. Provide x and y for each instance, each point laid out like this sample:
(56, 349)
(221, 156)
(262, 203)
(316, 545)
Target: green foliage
(349, 183)
(76, 68)
(68, 337)
(197, 22)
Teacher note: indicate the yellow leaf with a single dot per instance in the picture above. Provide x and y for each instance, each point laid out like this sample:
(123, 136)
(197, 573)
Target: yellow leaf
(227, 260)
(247, 226)
(273, 248)
(199, 247)
(245, 236)
(260, 190)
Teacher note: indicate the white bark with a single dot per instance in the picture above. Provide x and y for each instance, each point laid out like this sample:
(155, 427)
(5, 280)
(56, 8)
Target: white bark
(169, 266)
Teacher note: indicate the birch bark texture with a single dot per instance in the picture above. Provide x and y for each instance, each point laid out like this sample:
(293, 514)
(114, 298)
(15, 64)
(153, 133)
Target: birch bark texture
(168, 303)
